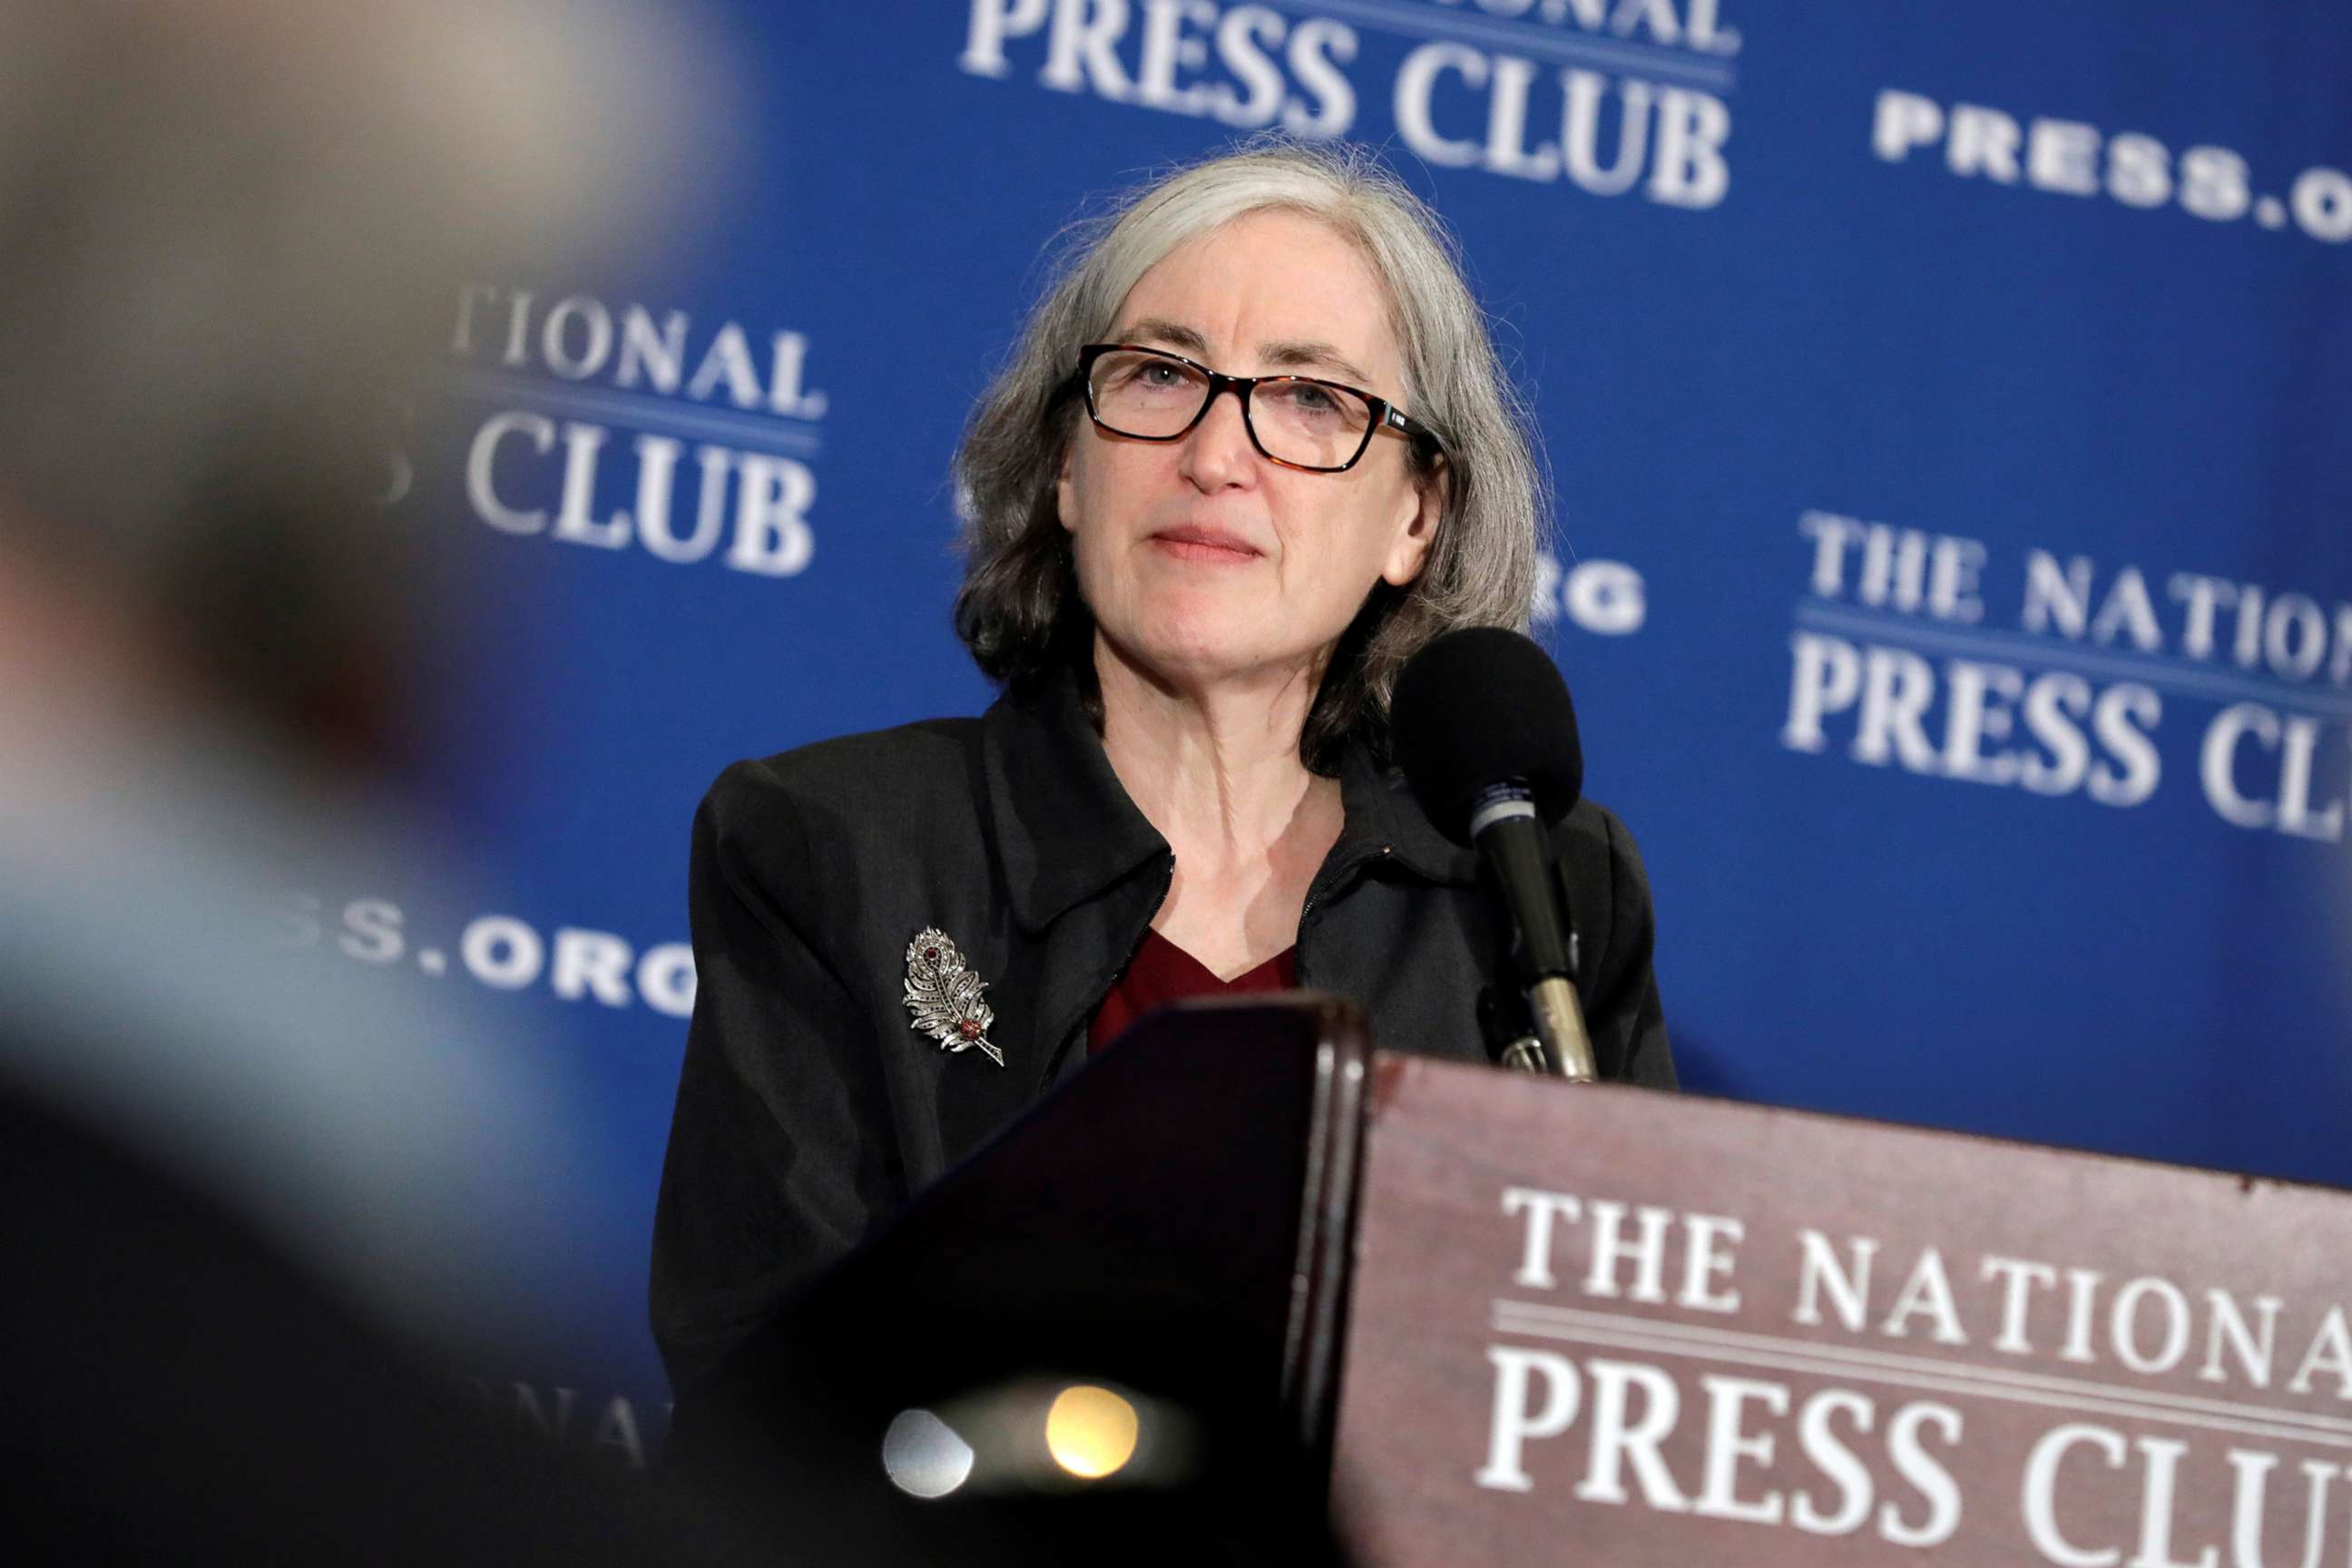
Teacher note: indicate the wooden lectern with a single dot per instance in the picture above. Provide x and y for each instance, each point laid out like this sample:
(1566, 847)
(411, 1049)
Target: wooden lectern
(1496, 1319)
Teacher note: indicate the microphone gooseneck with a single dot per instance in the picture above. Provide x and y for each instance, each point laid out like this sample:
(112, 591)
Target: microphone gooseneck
(1486, 735)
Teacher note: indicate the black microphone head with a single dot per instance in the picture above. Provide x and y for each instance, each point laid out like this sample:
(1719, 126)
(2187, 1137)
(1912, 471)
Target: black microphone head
(1477, 707)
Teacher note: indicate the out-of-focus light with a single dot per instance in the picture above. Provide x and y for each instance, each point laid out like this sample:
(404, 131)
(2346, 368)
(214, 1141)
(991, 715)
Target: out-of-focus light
(923, 1456)
(1090, 1431)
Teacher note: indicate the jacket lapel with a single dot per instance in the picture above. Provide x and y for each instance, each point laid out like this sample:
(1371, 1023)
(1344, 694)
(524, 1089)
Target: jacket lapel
(1065, 827)
(1083, 873)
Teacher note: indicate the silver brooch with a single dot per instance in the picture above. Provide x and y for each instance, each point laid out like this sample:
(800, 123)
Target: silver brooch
(944, 996)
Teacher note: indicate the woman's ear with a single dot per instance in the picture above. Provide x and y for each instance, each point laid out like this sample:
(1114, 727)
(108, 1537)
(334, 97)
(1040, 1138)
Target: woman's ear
(1064, 489)
(1417, 529)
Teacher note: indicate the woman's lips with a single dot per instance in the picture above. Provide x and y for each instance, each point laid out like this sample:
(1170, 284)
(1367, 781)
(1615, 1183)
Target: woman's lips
(1208, 545)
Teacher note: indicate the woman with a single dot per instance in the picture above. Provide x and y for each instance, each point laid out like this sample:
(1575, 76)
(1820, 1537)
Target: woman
(1253, 451)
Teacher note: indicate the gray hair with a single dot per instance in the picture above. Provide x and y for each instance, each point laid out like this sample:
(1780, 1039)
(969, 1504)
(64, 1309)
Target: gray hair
(1019, 610)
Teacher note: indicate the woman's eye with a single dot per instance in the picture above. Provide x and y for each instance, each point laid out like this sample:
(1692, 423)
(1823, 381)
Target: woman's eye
(1153, 376)
(1305, 398)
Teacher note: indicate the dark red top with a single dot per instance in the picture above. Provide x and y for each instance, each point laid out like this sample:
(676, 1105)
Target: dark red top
(1161, 973)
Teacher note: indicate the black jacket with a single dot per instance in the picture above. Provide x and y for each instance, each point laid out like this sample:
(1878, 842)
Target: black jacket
(809, 1108)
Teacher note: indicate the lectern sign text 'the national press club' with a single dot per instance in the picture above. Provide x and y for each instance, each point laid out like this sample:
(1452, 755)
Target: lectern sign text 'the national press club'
(1675, 1331)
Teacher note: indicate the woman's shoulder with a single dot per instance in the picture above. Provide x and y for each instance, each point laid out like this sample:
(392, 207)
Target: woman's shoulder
(905, 764)
(857, 794)
(859, 822)
(1596, 851)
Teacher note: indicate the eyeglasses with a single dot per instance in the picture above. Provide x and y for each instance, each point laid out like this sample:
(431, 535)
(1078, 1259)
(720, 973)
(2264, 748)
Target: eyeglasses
(1321, 427)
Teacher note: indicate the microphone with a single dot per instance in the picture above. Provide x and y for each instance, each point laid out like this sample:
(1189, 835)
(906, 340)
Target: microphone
(1486, 735)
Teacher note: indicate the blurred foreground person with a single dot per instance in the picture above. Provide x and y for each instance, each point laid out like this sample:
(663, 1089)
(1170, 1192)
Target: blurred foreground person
(245, 1229)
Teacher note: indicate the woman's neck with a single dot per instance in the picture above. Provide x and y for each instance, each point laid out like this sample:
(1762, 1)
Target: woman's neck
(1216, 770)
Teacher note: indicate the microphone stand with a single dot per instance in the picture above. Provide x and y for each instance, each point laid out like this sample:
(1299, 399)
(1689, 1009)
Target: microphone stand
(1509, 1018)
(1510, 1029)
(1560, 1023)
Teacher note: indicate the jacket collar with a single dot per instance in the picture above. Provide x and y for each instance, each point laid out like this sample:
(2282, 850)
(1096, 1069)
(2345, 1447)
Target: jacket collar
(1067, 830)
(1383, 819)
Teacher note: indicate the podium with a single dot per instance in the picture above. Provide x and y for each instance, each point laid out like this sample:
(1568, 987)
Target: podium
(1485, 1318)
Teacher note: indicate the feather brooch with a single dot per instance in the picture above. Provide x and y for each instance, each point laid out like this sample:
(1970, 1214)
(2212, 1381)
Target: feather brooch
(944, 994)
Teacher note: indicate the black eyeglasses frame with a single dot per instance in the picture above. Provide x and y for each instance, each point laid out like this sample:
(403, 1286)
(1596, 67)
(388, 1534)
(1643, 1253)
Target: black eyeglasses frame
(1386, 415)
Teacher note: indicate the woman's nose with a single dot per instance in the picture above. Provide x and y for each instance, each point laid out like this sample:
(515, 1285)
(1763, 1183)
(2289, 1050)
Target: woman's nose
(1218, 451)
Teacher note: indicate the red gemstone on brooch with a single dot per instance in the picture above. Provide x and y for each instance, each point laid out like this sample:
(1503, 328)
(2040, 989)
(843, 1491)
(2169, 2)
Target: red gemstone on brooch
(969, 1028)
(932, 954)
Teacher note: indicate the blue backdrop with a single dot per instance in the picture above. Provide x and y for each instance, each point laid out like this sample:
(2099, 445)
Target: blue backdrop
(1944, 405)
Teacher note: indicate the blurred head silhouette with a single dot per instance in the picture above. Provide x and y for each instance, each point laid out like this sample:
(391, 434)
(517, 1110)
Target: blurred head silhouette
(227, 234)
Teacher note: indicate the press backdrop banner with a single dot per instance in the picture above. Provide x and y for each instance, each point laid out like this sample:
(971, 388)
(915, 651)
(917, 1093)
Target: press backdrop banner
(1945, 405)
